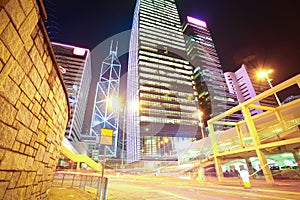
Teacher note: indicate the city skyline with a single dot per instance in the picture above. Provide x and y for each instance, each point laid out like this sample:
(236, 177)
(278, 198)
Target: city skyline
(250, 33)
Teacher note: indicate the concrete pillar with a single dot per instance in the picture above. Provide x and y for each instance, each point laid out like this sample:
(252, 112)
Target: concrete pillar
(296, 158)
(256, 142)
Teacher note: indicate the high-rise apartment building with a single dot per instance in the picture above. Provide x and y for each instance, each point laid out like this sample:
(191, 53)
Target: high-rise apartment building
(212, 92)
(160, 80)
(244, 84)
(75, 66)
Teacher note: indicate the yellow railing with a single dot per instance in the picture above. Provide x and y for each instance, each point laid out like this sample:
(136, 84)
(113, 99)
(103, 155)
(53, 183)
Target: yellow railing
(80, 158)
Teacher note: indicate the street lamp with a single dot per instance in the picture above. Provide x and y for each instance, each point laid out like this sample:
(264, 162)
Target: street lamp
(265, 74)
(201, 123)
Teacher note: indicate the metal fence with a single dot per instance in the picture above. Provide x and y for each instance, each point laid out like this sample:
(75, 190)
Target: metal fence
(89, 182)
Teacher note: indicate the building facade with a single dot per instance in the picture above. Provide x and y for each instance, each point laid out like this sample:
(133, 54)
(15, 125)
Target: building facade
(160, 80)
(212, 92)
(75, 66)
(244, 84)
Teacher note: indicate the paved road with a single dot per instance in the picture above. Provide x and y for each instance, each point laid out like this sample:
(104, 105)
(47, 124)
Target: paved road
(166, 188)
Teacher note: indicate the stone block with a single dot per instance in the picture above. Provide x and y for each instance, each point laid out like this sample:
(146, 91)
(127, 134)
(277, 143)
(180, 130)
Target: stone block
(3, 187)
(29, 151)
(39, 42)
(11, 39)
(29, 25)
(24, 100)
(16, 146)
(24, 133)
(40, 153)
(34, 124)
(22, 179)
(10, 90)
(26, 5)
(30, 178)
(7, 136)
(46, 157)
(13, 161)
(38, 62)
(24, 61)
(44, 89)
(17, 74)
(24, 116)
(4, 53)
(4, 20)
(41, 137)
(28, 88)
(15, 12)
(22, 148)
(14, 179)
(16, 193)
(29, 163)
(35, 77)
(8, 112)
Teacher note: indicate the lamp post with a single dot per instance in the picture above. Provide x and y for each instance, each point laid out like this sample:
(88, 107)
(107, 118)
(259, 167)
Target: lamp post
(201, 123)
(265, 74)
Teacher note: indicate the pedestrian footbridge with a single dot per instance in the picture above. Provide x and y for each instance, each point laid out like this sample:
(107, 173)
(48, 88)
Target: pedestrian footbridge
(276, 130)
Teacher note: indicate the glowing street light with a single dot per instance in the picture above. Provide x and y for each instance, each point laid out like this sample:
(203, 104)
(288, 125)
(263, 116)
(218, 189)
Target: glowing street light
(265, 74)
(200, 115)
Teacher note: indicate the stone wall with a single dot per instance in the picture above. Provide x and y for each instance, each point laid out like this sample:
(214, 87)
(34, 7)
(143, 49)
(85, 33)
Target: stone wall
(34, 108)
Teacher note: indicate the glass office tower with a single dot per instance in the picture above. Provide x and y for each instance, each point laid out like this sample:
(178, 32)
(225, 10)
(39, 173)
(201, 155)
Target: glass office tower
(75, 66)
(160, 80)
(213, 95)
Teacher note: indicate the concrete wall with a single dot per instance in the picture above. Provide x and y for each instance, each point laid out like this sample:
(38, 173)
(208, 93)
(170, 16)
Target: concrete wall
(34, 108)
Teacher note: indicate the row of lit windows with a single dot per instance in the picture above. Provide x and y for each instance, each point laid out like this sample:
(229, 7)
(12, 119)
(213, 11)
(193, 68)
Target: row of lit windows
(160, 112)
(161, 28)
(148, 48)
(165, 79)
(164, 34)
(168, 42)
(165, 67)
(182, 47)
(164, 73)
(165, 91)
(160, 22)
(167, 98)
(194, 45)
(182, 107)
(167, 120)
(171, 10)
(156, 60)
(153, 14)
(160, 56)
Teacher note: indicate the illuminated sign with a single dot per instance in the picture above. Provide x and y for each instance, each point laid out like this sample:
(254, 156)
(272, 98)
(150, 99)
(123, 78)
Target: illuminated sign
(196, 21)
(78, 51)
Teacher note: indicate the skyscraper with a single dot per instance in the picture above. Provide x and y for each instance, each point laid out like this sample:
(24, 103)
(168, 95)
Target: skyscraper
(213, 95)
(160, 80)
(106, 105)
(244, 84)
(75, 66)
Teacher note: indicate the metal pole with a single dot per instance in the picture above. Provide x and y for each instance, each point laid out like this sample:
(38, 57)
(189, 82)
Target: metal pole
(102, 175)
(271, 86)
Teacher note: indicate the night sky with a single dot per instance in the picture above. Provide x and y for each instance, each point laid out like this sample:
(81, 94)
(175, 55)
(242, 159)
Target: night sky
(259, 33)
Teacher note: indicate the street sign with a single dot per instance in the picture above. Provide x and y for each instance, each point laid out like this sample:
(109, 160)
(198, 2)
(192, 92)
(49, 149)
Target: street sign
(106, 136)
